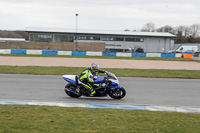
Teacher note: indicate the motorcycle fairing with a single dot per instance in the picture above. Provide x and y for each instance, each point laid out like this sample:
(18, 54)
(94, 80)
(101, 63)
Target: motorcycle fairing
(99, 79)
(108, 88)
(71, 79)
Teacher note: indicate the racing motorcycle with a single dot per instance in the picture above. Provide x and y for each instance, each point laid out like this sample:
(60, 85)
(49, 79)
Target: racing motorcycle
(107, 85)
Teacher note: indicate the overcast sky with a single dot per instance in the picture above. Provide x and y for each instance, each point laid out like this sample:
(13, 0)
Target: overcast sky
(97, 14)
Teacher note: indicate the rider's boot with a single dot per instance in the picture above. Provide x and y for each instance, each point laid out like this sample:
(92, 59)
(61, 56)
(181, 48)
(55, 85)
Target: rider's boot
(78, 89)
(92, 91)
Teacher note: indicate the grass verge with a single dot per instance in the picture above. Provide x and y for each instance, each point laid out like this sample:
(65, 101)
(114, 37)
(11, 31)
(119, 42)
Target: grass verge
(44, 119)
(157, 73)
(106, 57)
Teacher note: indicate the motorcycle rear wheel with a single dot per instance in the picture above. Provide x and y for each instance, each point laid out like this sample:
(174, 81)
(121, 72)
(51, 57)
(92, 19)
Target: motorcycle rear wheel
(71, 87)
(119, 94)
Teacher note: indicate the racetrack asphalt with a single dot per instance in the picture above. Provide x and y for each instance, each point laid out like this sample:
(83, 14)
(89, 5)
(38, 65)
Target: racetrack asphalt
(140, 91)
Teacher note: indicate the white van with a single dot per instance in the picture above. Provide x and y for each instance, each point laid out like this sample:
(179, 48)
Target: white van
(183, 49)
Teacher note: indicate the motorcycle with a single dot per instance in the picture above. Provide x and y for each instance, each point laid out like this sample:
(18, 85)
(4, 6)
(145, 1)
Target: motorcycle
(108, 85)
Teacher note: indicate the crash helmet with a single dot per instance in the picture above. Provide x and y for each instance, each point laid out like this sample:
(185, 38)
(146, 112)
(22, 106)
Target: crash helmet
(94, 68)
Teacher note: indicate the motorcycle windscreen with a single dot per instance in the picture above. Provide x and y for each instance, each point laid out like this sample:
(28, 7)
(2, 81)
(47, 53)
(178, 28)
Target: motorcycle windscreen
(99, 79)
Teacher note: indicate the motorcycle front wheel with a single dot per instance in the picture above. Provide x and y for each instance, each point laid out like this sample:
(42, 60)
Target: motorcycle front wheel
(117, 94)
(71, 87)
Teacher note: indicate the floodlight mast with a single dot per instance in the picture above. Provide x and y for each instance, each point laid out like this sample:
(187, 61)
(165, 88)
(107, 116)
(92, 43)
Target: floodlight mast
(76, 42)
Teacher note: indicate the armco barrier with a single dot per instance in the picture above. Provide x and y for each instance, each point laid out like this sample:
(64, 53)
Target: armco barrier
(93, 53)
(168, 55)
(109, 53)
(139, 54)
(18, 51)
(64, 52)
(49, 52)
(78, 53)
(33, 51)
(179, 55)
(88, 53)
(5, 51)
(153, 55)
(123, 54)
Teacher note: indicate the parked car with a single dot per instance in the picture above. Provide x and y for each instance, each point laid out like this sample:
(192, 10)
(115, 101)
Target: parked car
(139, 50)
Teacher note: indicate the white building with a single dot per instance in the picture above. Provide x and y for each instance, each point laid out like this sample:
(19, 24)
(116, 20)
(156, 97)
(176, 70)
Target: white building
(120, 41)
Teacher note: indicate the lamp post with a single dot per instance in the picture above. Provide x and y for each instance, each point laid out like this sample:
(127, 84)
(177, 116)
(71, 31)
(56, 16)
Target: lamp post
(76, 42)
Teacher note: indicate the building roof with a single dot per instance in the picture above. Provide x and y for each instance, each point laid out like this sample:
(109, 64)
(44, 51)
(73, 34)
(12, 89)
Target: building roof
(99, 32)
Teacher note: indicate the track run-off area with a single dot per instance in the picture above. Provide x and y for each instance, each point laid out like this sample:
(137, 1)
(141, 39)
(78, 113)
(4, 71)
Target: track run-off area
(103, 63)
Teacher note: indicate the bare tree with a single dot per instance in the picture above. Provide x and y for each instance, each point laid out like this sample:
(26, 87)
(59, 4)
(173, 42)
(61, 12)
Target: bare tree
(179, 31)
(126, 30)
(166, 28)
(184, 34)
(186, 31)
(195, 30)
(148, 27)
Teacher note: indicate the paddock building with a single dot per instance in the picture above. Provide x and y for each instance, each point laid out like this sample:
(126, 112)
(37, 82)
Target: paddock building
(117, 41)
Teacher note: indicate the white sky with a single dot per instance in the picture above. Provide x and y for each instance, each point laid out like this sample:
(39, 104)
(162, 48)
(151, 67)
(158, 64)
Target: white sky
(97, 14)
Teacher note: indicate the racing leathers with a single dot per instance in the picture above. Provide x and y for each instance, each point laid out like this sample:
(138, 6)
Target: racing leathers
(86, 77)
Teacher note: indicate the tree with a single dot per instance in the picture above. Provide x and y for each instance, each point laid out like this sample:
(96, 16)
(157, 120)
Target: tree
(181, 33)
(126, 30)
(195, 30)
(166, 28)
(184, 34)
(148, 27)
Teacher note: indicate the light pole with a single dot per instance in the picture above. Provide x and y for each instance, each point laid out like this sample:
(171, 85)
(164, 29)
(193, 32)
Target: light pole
(76, 42)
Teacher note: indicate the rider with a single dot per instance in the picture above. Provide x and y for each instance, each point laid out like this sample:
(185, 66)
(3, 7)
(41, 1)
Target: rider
(86, 77)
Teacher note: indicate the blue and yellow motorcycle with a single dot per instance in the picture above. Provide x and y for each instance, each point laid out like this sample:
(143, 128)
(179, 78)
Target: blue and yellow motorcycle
(108, 85)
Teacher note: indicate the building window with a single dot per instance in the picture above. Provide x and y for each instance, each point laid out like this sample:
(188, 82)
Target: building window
(107, 39)
(134, 39)
(119, 39)
(70, 38)
(41, 37)
(82, 38)
(104, 38)
(96, 38)
(61, 38)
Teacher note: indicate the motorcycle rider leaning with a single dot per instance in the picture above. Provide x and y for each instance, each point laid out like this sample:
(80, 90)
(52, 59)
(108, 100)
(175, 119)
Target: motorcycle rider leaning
(86, 77)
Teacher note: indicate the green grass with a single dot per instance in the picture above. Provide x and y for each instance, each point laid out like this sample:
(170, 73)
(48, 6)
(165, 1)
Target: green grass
(158, 73)
(44, 119)
(106, 57)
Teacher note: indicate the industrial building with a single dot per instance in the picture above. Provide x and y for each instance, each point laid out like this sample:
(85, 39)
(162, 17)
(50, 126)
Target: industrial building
(117, 41)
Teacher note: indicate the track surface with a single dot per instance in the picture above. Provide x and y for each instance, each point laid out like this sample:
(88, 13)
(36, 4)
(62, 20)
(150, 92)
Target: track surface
(140, 91)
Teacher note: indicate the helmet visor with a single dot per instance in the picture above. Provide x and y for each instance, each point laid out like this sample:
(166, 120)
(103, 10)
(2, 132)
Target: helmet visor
(95, 68)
